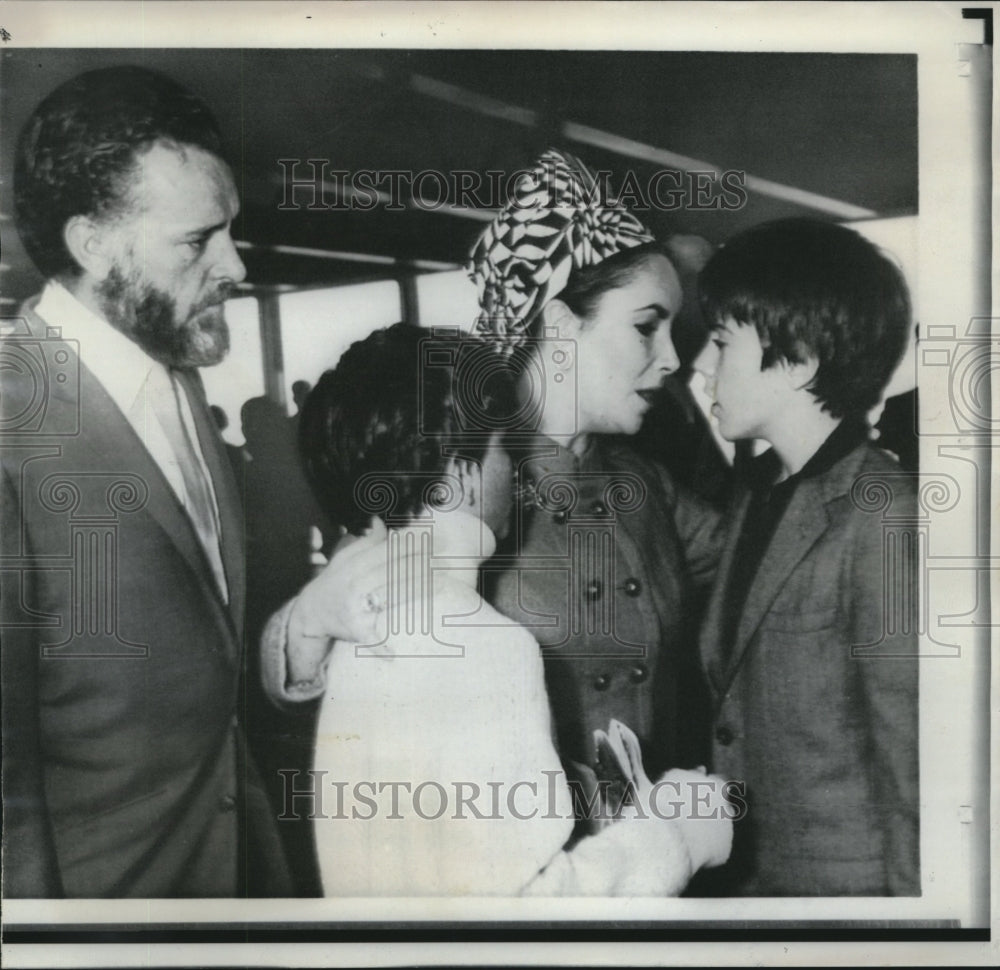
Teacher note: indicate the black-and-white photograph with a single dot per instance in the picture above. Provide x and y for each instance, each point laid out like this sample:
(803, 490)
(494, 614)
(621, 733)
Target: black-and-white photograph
(465, 482)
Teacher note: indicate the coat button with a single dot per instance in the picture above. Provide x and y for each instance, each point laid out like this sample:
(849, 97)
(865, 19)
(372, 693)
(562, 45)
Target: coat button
(227, 803)
(724, 735)
(602, 682)
(559, 517)
(593, 590)
(632, 587)
(638, 673)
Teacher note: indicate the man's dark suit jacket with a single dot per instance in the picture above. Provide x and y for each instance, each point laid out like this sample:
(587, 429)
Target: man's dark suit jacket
(124, 769)
(825, 737)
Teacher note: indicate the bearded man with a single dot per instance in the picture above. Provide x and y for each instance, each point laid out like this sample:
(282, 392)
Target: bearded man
(121, 608)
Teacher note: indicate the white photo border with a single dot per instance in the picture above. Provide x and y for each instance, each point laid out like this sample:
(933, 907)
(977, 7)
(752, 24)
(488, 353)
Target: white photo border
(957, 218)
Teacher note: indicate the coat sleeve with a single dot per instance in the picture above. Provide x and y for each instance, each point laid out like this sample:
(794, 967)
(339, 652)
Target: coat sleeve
(30, 868)
(700, 528)
(627, 859)
(888, 674)
(645, 853)
(274, 664)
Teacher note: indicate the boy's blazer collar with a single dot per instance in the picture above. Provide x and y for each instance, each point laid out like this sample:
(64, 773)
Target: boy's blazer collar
(807, 517)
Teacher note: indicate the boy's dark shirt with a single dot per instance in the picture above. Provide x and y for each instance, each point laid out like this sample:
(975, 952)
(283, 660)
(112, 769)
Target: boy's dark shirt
(768, 501)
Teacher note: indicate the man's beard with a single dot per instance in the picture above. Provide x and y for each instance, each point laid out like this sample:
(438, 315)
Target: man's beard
(148, 316)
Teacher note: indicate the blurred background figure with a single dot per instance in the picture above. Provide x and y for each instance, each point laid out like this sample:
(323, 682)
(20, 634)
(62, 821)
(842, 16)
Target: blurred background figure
(300, 390)
(236, 455)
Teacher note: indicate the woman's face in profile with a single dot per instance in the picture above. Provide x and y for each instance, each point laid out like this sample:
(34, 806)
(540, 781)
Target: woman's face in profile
(624, 349)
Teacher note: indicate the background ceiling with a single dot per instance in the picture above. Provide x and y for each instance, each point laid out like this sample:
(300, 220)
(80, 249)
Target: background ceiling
(820, 134)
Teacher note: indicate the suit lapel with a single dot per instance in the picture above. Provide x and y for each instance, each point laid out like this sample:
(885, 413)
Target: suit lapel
(108, 442)
(803, 524)
(713, 651)
(804, 521)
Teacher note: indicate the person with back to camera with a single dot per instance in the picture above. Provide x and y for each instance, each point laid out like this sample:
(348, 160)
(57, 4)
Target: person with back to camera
(606, 552)
(812, 666)
(434, 748)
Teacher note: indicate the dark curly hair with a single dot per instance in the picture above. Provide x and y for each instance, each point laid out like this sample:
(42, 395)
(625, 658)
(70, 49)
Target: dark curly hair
(77, 151)
(815, 290)
(377, 433)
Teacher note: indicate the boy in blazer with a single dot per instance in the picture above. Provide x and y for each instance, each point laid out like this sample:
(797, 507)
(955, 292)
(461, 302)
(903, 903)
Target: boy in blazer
(809, 643)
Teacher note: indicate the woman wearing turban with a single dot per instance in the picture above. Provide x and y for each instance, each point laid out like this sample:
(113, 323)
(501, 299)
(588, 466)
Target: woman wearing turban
(607, 552)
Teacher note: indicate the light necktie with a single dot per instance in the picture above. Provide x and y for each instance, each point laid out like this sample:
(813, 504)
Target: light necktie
(199, 500)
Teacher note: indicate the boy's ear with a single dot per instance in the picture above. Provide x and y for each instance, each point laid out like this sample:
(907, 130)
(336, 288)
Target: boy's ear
(558, 317)
(800, 374)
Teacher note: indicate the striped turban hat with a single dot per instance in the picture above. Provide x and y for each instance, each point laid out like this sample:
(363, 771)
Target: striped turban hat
(555, 222)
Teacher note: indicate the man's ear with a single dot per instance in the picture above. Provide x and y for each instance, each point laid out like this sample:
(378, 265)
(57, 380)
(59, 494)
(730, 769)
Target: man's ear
(89, 243)
(800, 374)
(559, 321)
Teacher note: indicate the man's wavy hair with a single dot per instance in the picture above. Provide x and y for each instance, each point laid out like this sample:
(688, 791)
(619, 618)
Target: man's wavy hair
(814, 290)
(77, 152)
(377, 432)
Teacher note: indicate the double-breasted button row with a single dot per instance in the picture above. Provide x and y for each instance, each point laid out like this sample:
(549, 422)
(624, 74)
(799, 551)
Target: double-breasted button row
(559, 516)
(636, 675)
(594, 589)
(724, 735)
